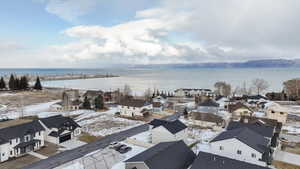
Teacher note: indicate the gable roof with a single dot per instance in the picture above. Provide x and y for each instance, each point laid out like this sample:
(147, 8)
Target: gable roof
(209, 103)
(172, 126)
(166, 155)
(267, 122)
(211, 161)
(58, 121)
(258, 127)
(134, 103)
(247, 136)
(238, 105)
(19, 130)
(209, 117)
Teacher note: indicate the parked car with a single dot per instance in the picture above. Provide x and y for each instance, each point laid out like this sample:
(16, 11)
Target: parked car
(124, 149)
(118, 147)
(113, 145)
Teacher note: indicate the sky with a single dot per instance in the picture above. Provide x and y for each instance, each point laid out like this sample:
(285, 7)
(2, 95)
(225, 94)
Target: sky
(101, 33)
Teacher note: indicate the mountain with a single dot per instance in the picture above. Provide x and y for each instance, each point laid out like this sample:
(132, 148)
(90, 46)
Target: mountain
(267, 63)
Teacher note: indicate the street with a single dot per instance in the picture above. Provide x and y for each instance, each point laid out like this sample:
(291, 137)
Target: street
(69, 155)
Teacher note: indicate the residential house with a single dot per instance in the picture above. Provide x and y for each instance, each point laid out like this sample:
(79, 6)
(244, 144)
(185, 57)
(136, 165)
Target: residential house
(182, 92)
(135, 108)
(18, 140)
(166, 155)
(206, 160)
(207, 120)
(239, 109)
(60, 129)
(208, 106)
(163, 131)
(270, 123)
(277, 112)
(249, 146)
(70, 101)
(111, 96)
(157, 107)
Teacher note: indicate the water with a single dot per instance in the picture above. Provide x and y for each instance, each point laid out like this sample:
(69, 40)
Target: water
(171, 79)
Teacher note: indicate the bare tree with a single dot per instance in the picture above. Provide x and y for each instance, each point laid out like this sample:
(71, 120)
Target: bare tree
(222, 88)
(292, 88)
(127, 92)
(260, 85)
(148, 94)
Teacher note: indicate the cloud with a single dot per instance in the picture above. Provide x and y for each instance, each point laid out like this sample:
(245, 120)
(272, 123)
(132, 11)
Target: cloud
(177, 31)
(69, 10)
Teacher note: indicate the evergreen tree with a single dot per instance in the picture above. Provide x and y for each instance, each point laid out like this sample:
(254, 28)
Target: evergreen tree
(2, 84)
(86, 104)
(157, 93)
(99, 102)
(38, 85)
(17, 84)
(11, 83)
(24, 83)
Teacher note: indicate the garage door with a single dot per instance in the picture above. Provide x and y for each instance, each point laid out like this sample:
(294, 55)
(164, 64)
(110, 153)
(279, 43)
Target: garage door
(64, 138)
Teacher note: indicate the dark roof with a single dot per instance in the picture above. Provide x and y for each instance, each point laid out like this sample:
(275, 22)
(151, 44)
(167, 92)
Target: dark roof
(258, 127)
(166, 155)
(92, 93)
(254, 97)
(238, 105)
(59, 121)
(207, 117)
(247, 136)
(209, 103)
(172, 126)
(134, 103)
(266, 121)
(19, 131)
(186, 89)
(212, 161)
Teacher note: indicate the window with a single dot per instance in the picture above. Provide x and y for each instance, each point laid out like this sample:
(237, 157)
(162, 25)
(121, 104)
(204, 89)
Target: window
(239, 152)
(10, 152)
(221, 148)
(272, 111)
(10, 142)
(3, 154)
(281, 113)
(253, 155)
(39, 133)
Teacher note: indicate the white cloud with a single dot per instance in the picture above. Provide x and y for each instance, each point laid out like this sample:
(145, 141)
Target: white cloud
(70, 10)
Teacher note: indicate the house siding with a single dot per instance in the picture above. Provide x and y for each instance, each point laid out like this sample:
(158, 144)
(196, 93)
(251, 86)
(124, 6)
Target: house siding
(230, 151)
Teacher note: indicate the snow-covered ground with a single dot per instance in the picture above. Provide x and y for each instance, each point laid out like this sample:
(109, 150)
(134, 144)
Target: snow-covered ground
(32, 110)
(104, 123)
(292, 129)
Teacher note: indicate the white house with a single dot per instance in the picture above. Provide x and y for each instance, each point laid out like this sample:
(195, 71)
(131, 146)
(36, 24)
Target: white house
(277, 112)
(243, 144)
(59, 129)
(164, 131)
(18, 140)
(193, 92)
(135, 108)
(157, 107)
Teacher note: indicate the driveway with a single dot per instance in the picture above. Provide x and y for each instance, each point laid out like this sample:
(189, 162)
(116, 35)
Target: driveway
(71, 144)
(287, 157)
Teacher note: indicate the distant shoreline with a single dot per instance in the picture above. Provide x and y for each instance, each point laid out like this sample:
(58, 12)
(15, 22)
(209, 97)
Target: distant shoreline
(73, 77)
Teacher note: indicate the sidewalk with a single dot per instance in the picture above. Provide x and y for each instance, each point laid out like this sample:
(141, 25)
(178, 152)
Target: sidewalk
(37, 155)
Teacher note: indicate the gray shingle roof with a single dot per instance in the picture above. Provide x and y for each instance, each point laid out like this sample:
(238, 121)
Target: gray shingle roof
(167, 155)
(59, 121)
(209, 103)
(264, 130)
(134, 103)
(172, 126)
(212, 161)
(19, 131)
(247, 136)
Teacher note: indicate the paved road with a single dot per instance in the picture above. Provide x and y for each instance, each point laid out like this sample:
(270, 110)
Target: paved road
(70, 155)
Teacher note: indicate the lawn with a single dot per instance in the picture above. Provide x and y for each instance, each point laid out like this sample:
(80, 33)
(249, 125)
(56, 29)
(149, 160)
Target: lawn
(282, 165)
